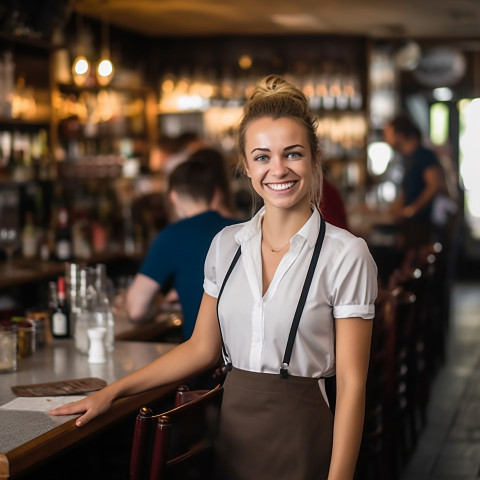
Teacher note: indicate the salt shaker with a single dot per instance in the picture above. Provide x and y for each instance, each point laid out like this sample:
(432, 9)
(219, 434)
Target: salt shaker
(97, 351)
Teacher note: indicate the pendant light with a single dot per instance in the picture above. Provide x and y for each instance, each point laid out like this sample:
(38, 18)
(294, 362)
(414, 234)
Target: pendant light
(105, 70)
(81, 66)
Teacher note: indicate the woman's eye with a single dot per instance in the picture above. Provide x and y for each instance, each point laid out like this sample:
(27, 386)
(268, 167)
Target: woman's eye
(293, 155)
(261, 158)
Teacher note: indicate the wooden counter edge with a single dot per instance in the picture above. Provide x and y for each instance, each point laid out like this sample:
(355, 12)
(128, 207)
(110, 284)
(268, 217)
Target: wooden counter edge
(4, 467)
(40, 449)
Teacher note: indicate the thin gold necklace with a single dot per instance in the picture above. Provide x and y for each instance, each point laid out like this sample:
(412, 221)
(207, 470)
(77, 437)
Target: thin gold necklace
(269, 245)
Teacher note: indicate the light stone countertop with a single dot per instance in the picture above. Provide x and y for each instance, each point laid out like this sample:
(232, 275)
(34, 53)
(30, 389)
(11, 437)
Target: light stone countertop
(61, 361)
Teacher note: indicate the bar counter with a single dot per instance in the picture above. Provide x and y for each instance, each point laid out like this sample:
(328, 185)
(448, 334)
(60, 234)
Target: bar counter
(30, 438)
(21, 271)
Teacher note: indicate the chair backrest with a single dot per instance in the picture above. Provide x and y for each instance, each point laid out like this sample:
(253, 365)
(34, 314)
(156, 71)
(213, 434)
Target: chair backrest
(177, 443)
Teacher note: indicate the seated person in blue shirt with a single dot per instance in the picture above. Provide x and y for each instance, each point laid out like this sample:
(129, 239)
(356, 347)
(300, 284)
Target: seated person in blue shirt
(176, 256)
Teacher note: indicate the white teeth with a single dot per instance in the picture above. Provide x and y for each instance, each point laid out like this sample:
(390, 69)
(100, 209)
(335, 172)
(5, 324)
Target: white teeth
(280, 186)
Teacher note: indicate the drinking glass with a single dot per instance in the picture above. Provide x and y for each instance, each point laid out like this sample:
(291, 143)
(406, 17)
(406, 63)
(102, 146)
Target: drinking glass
(8, 350)
(9, 241)
(9, 222)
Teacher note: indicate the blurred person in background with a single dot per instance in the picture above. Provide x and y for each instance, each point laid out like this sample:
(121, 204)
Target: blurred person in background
(422, 182)
(332, 205)
(186, 144)
(176, 256)
(223, 200)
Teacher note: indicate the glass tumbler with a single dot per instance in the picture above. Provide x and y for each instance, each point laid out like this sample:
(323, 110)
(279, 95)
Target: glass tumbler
(8, 350)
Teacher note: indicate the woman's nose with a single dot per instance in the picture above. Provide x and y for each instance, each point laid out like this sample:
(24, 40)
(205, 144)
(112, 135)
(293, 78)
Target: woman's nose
(278, 166)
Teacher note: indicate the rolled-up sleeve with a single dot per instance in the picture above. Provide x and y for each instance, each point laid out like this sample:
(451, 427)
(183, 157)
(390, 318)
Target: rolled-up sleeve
(354, 282)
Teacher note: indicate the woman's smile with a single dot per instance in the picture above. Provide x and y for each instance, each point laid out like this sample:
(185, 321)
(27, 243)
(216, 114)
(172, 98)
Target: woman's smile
(280, 186)
(279, 161)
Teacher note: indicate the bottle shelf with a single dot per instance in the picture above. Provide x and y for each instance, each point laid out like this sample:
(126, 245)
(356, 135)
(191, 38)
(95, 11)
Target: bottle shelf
(8, 122)
(35, 43)
(75, 89)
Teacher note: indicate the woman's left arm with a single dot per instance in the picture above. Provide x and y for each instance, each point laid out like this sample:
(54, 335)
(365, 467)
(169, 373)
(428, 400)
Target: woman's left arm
(353, 336)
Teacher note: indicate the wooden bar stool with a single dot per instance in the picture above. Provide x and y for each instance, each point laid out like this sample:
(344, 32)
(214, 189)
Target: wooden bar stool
(177, 444)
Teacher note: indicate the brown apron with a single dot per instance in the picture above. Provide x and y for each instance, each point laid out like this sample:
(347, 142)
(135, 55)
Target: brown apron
(274, 426)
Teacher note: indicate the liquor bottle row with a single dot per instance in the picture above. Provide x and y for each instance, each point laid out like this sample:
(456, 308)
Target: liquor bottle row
(79, 307)
(24, 155)
(79, 301)
(327, 88)
(77, 220)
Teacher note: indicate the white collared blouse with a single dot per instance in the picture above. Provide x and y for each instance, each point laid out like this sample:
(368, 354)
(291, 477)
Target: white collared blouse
(255, 328)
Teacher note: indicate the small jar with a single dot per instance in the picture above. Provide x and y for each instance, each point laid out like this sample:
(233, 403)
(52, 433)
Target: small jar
(8, 347)
(25, 339)
(39, 320)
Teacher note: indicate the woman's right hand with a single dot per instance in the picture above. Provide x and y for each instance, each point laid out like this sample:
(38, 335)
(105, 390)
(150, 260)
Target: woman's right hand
(91, 406)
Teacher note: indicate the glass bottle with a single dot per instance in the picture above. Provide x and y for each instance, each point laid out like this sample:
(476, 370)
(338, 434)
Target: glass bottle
(104, 307)
(60, 316)
(29, 238)
(83, 314)
(63, 237)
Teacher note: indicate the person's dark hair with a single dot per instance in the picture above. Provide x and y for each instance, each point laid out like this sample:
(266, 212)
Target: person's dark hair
(167, 144)
(405, 126)
(185, 138)
(216, 162)
(276, 98)
(193, 179)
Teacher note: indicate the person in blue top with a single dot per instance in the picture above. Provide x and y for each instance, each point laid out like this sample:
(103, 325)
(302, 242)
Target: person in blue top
(423, 180)
(176, 257)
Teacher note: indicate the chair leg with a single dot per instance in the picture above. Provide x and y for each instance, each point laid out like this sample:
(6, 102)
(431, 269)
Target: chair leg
(138, 459)
(160, 448)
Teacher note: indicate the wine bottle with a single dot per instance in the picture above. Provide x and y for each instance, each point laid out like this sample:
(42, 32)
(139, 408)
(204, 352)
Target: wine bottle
(63, 237)
(29, 238)
(60, 318)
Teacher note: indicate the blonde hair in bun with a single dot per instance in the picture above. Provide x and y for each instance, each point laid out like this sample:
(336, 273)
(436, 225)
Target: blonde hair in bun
(274, 97)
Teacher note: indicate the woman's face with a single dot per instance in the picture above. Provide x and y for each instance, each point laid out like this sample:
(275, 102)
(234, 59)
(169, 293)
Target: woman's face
(279, 161)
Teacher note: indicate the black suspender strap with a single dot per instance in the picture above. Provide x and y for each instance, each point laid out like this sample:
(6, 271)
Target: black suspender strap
(301, 302)
(229, 271)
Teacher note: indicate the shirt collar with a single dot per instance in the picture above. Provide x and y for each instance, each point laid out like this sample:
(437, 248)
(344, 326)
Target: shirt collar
(309, 231)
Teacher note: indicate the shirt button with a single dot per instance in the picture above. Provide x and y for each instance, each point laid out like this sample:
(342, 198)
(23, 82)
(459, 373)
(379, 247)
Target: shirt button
(256, 339)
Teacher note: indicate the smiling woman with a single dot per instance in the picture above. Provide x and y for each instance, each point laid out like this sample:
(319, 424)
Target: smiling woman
(289, 253)
(287, 301)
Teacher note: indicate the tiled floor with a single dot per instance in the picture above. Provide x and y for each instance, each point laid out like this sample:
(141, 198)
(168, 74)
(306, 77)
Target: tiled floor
(449, 446)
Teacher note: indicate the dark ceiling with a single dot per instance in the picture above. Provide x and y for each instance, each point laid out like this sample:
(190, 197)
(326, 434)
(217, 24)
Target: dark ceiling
(374, 18)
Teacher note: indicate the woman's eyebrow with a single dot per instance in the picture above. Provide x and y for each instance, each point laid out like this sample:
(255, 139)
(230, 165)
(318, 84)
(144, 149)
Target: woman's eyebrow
(260, 149)
(293, 146)
(290, 147)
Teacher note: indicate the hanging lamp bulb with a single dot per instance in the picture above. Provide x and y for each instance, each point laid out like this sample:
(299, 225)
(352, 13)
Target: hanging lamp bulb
(105, 70)
(80, 66)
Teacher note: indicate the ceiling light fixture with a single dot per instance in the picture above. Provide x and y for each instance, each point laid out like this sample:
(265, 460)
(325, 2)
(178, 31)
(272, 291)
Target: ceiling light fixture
(442, 94)
(81, 66)
(408, 55)
(105, 70)
(245, 62)
(300, 20)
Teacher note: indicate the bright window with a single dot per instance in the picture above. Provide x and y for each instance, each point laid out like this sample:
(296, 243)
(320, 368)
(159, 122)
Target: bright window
(469, 143)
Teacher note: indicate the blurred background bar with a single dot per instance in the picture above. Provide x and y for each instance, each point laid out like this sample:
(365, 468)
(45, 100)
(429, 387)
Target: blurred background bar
(96, 98)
